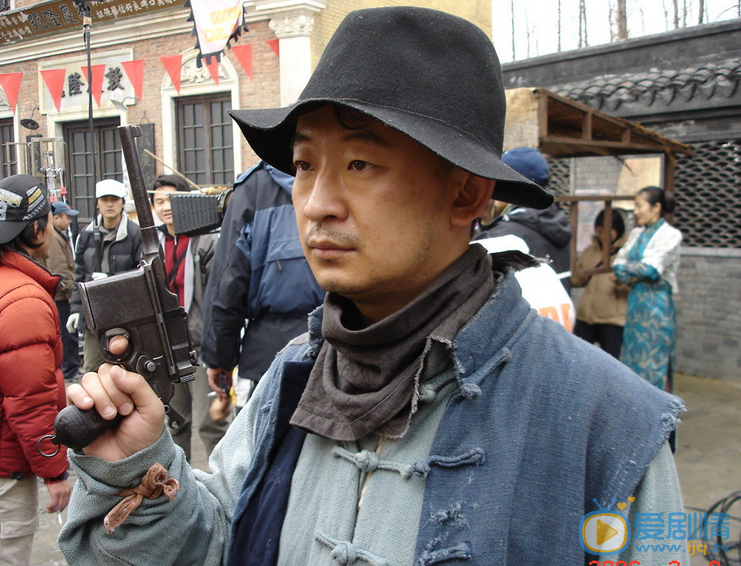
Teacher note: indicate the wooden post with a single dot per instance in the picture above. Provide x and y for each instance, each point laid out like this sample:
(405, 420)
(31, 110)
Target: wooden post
(574, 222)
(670, 166)
(607, 233)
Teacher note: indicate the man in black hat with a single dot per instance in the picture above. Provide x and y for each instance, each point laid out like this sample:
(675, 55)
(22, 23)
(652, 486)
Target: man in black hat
(428, 416)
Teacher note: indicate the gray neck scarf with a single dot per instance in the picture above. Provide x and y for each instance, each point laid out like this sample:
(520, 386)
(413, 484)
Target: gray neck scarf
(366, 380)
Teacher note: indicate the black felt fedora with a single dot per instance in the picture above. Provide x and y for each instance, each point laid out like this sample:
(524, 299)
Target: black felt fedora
(432, 76)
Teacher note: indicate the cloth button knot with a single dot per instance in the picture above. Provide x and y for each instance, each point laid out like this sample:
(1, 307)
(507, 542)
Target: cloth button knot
(344, 553)
(427, 394)
(367, 461)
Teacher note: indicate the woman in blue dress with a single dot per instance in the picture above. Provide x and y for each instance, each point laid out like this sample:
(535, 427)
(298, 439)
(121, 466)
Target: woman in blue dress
(649, 264)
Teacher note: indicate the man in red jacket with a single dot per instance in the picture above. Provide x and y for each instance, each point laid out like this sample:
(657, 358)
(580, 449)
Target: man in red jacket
(31, 382)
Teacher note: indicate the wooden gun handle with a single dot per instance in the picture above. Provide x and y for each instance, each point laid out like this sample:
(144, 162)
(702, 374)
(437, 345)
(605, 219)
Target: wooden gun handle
(76, 428)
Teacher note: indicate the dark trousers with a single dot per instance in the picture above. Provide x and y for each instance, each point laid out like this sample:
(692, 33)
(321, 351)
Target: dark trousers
(608, 336)
(71, 360)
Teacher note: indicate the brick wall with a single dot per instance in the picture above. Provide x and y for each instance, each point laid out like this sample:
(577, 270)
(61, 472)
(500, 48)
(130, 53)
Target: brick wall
(262, 91)
(28, 97)
(709, 314)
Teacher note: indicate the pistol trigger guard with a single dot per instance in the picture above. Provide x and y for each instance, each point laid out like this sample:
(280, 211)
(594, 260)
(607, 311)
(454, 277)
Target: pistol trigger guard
(174, 419)
(105, 340)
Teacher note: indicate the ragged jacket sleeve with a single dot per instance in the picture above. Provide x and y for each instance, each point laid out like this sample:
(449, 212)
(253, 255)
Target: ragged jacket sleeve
(193, 529)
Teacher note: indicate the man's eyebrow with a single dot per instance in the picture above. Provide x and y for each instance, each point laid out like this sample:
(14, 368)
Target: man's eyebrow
(366, 136)
(298, 138)
(355, 135)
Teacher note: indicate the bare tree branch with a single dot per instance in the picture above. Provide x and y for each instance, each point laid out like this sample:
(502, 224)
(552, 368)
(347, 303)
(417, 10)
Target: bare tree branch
(583, 39)
(676, 14)
(622, 20)
(512, 11)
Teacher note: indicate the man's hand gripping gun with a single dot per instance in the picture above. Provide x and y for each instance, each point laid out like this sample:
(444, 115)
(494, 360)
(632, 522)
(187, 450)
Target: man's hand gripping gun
(139, 305)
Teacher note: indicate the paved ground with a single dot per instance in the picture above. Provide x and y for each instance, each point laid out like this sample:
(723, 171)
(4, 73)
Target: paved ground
(708, 459)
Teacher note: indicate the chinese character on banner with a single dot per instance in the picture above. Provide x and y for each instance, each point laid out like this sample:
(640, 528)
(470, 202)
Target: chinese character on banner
(114, 76)
(74, 84)
(216, 23)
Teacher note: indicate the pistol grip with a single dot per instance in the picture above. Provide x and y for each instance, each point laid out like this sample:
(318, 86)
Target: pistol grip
(76, 428)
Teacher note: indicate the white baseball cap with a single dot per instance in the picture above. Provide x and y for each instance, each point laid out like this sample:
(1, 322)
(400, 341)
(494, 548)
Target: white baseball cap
(110, 187)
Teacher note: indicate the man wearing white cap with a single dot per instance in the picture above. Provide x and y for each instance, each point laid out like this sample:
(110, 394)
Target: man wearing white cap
(112, 244)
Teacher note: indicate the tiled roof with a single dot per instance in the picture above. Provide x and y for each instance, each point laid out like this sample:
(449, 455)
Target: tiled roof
(652, 88)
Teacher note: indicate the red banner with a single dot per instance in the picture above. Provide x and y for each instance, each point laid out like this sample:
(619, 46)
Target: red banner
(275, 46)
(54, 80)
(213, 67)
(97, 81)
(11, 83)
(173, 64)
(135, 71)
(244, 56)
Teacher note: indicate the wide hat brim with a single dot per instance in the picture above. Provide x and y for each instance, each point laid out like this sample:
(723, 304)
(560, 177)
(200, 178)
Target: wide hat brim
(270, 133)
(430, 75)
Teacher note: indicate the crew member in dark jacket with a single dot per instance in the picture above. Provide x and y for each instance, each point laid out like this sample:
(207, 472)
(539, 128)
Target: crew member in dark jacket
(62, 261)
(260, 281)
(108, 246)
(187, 267)
(546, 232)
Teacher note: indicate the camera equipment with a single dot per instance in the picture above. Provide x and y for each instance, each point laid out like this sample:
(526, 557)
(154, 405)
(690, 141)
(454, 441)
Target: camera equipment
(199, 213)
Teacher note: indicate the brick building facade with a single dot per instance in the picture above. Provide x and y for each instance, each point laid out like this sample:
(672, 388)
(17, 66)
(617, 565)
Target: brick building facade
(188, 128)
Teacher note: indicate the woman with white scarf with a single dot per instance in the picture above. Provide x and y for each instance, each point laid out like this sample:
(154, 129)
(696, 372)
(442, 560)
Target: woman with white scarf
(648, 264)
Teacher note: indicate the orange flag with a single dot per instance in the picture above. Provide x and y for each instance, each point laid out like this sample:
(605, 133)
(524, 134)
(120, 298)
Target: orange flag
(96, 84)
(172, 64)
(244, 55)
(135, 72)
(11, 83)
(54, 79)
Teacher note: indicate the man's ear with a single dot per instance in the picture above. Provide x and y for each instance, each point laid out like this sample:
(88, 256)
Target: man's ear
(471, 200)
(38, 235)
